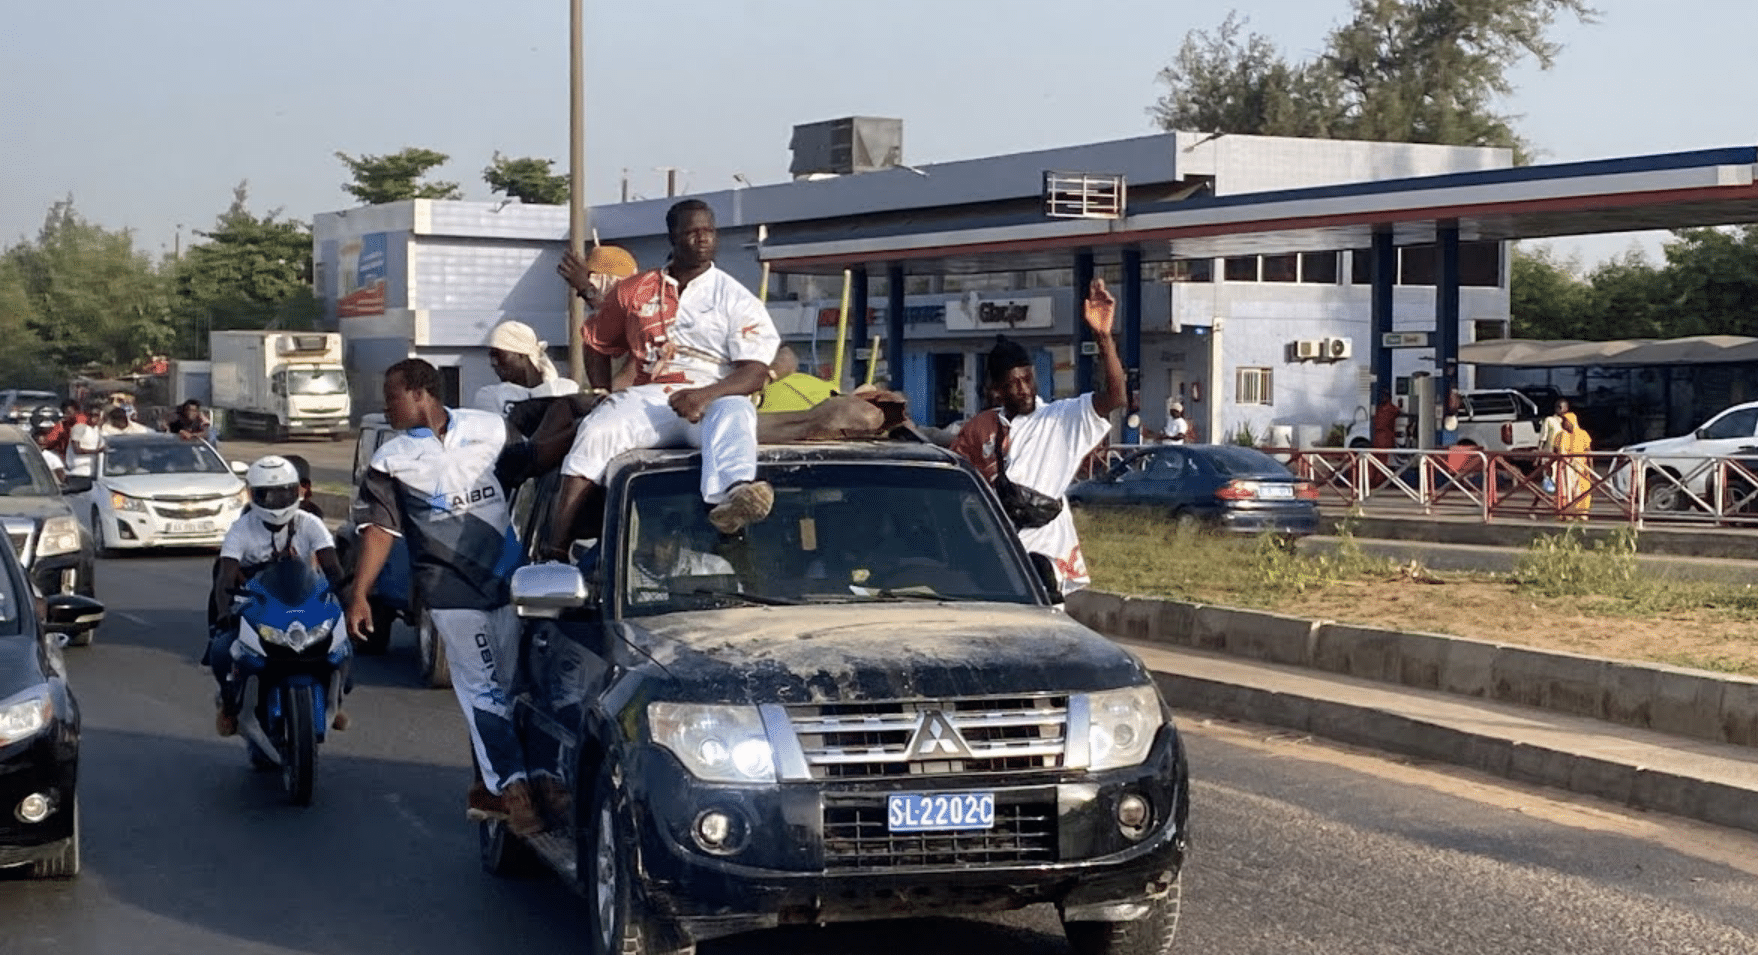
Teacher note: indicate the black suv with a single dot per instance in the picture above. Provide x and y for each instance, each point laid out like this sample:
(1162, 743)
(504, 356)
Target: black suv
(864, 706)
(51, 543)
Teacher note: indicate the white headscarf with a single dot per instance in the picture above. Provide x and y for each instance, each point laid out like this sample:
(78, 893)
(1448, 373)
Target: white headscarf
(517, 338)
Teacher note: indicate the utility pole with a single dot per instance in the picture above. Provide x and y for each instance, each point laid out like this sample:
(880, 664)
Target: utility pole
(579, 225)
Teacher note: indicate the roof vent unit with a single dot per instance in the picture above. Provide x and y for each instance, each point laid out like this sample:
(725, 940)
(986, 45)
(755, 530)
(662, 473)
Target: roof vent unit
(844, 147)
(1085, 195)
(1307, 349)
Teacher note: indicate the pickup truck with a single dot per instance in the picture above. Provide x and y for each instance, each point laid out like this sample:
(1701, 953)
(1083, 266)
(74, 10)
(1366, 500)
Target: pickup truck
(865, 706)
(1498, 419)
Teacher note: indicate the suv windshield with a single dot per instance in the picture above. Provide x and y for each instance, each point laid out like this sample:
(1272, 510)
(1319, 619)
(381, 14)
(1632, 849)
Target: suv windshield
(162, 457)
(24, 473)
(838, 533)
(326, 382)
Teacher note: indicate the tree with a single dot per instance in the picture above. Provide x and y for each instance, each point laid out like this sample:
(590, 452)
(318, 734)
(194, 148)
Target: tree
(380, 179)
(528, 180)
(91, 299)
(1546, 299)
(1711, 281)
(1424, 71)
(253, 272)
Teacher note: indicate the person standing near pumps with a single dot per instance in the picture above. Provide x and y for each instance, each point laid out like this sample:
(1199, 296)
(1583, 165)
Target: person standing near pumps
(700, 344)
(1040, 446)
(436, 486)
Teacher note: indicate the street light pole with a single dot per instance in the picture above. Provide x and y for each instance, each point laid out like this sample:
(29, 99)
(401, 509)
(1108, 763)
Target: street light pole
(578, 222)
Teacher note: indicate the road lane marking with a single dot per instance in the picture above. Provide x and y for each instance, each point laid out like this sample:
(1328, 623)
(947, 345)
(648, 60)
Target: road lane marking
(131, 618)
(396, 801)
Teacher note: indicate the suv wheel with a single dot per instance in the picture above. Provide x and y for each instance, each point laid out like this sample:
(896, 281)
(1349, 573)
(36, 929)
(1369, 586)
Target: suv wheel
(430, 652)
(619, 921)
(1152, 934)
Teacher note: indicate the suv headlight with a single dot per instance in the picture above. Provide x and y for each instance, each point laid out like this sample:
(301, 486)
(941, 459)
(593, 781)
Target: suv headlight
(25, 715)
(723, 744)
(1122, 726)
(238, 500)
(122, 502)
(60, 536)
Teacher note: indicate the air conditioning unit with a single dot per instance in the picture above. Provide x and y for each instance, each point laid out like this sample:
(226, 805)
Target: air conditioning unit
(1308, 349)
(1337, 349)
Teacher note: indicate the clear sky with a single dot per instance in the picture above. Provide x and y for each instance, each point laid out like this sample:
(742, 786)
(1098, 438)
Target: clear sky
(148, 114)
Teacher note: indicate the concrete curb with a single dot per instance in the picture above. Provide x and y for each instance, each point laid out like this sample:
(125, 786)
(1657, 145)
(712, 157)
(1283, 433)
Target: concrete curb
(1672, 540)
(1602, 775)
(1719, 709)
(335, 506)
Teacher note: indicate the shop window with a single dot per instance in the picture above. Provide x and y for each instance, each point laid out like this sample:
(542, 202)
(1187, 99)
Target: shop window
(1416, 265)
(1319, 268)
(1252, 386)
(1190, 270)
(1281, 268)
(1480, 264)
(1241, 268)
(1489, 330)
(1361, 267)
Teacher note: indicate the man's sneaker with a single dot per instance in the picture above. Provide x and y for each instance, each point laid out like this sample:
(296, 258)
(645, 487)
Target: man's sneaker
(522, 815)
(747, 503)
(482, 805)
(340, 721)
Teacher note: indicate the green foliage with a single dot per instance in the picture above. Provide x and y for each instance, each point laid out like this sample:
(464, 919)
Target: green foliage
(1563, 565)
(1244, 437)
(1426, 71)
(392, 178)
(528, 180)
(1708, 285)
(84, 296)
(253, 272)
(1334, 438)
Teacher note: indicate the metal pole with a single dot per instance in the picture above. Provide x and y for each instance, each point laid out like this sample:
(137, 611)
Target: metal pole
(1446, 312)
(579, 223)
(1383, 272)
(894, 316)
(1131, 294)
(1083, 336)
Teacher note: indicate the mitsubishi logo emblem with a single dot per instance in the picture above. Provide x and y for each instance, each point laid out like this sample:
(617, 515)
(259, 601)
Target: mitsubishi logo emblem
(936, 737)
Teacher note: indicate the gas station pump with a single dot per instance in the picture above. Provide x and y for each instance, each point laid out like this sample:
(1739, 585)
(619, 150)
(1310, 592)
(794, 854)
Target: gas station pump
(1421, 408)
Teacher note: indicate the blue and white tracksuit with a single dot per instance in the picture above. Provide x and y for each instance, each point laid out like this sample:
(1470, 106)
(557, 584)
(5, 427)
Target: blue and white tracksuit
(443, 496)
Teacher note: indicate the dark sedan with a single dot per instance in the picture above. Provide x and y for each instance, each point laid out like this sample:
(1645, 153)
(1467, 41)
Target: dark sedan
(39, 725)
(1222, 486)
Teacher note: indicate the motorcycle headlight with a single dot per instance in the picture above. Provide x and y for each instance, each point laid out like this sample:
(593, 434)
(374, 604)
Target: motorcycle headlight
(25, 715)
(60, 536)
(723, 744)
(1122, 726)
(297, 637)
(122, 502)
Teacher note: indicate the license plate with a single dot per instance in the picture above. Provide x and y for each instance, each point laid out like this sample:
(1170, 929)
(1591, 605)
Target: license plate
(1275, 491)
(190, 527)
(941, 812)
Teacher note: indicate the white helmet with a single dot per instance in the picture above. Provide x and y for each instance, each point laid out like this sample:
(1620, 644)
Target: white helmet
(274, 489)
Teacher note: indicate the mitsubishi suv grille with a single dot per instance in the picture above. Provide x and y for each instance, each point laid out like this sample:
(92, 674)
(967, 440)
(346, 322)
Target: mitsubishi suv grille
(856, 838)
(989, 735)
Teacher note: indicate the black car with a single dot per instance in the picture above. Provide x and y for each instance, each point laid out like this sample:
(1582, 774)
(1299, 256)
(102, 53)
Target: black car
(864, 706)
(39, 725)
(1223, 486)
(54, 546)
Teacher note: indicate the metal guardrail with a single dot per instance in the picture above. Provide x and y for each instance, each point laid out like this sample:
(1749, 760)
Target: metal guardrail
(1598, 486)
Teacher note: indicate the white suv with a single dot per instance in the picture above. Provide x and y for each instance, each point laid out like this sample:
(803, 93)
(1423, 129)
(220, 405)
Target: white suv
(1498, 419)
(1688, 460)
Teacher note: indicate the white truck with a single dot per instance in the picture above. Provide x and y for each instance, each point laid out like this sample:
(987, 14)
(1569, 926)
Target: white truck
(279, 384)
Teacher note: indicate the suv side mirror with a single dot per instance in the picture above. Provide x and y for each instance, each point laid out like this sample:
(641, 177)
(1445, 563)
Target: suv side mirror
(239, 468)
(1046, 570)
(72, 613)
(76, 484)
(545, 590)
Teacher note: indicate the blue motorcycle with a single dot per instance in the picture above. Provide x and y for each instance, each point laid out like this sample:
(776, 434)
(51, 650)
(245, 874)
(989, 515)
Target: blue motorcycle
(290, 659)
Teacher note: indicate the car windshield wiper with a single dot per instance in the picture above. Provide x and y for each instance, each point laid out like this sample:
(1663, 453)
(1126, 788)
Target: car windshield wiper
(755, 599)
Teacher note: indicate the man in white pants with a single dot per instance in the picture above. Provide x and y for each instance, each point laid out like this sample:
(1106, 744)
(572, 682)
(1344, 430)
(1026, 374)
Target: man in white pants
(701, 344)
(435, 485)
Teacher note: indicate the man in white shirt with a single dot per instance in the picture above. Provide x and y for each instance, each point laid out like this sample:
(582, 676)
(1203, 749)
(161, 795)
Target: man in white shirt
(116, 421)
(1044, 444)
(660, 557)
(701, 345)
(1177, 428)
(521, 361)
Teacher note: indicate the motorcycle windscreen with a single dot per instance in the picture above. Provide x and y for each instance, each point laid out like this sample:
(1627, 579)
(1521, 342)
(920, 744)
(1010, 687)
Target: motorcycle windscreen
(288, 581)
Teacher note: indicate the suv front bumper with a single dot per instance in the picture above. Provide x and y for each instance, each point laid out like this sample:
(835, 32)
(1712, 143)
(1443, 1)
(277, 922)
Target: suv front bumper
(820, 851)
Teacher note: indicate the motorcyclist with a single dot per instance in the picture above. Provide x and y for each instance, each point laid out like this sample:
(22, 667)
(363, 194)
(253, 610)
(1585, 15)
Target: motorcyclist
(273, 527)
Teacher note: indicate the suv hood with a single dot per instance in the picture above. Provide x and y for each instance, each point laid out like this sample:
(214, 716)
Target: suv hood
(38, 508)
(1664, 445)
(878, 651)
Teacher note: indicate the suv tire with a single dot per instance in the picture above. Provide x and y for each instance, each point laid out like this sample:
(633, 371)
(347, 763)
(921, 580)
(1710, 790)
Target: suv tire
(618, 920)
(1152, 934)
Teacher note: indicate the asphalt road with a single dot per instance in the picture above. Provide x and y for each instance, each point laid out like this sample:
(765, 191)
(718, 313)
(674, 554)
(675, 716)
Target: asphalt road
(1299, 846)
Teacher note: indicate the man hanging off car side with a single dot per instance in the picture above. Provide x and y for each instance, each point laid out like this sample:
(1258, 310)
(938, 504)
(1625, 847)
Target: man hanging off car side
(1043, 445)
(702, 345)
(436, 486)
